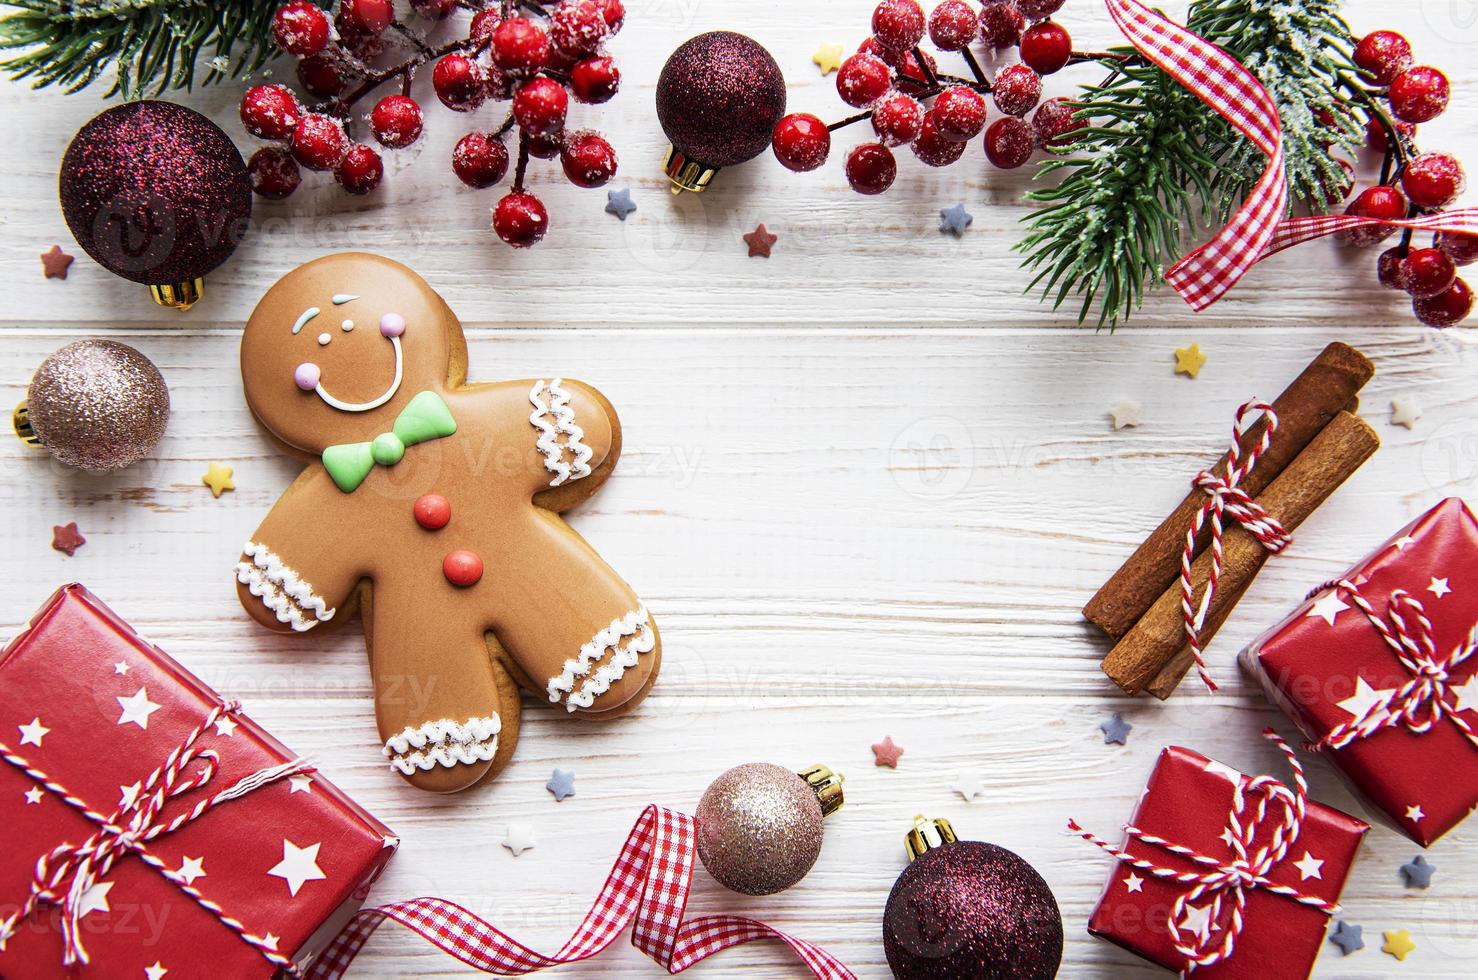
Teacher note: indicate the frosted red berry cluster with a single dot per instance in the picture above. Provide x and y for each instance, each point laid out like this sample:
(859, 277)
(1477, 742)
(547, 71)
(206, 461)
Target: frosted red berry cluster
(907, 99)
(536, 63)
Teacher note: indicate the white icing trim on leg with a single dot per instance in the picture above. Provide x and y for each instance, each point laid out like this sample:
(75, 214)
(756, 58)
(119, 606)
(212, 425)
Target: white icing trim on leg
(444, 743)
(635, 629)
(281, 589)
(563, 424)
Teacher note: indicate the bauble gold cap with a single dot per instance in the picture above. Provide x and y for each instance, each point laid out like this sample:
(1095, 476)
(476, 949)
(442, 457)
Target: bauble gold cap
(927, 834)
(827, 786)
(180, 295)
(686, 174)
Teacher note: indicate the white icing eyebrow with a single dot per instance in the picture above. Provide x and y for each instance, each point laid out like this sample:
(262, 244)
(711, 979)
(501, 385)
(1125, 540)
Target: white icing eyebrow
(341, 298)
(307, 315)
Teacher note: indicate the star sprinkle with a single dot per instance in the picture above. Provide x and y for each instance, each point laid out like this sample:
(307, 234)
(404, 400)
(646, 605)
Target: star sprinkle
(1398, 943)
(1346, 936)
(1418, 873)
(520, 837)
(1309, 867)
(561, 784)
(886, 753)
(760, 241)
(955, 220)
(137, 708)
(1189, 360)
(619, 203)
(1405, 411)
(298, 866)
(1115, 730)
(218, 478)
(828, 57)
(33, 733)
(1125, 415)
(968, 785)
(66, 538)
(55, 262)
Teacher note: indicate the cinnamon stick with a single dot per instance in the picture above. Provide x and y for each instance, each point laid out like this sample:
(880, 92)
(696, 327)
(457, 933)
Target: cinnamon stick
(1329, 384)
(1154, 651)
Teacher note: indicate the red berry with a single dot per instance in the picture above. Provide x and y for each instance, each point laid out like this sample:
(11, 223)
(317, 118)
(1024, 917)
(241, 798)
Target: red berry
(274, 172)
(360, 170)
(1385, 54)
(323, 75)
(1381, 201)
(540, 106)
(366, 16)
(1054, 120)
(1426, 272)
(1001, 25)
(396, 121)
(933, 148)
(1433, 180)
(319, 142)
(1419, 94)
(300, 28)
(898, 24)
(1462, 249)
(1447, 308)
(434, 9)
(1390, 269)
(1017, 89)
(952, 25)
(1009, 142)
(863, 79)
(270, 112)
(484, 22)
(959, 112)
(595, 80)
(520, 219)
(614, 12)
(462, 568)
(520, 47)
(911, 73)
(1046, 47)
(801, 142)
(871, 168)
(576, 27)
(459, 83)
(1375, 134)
(897, 119)
(480, 160)
(588, 159)
(544, 146)
(1037, 9)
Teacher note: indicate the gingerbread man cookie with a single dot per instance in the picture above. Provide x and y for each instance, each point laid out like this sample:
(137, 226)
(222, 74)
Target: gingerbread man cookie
(433, 507)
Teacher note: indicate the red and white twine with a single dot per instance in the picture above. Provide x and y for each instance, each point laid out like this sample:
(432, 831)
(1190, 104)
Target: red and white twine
(64, 874)
(646, 889)
(1424, 700)
(1227, 884)
(1226, 498)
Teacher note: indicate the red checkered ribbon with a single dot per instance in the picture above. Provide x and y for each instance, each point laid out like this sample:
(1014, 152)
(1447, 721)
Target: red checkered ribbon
(1226, 498)
(1220, 891)
(647, 889)
(1259, 228)
(1425, 699)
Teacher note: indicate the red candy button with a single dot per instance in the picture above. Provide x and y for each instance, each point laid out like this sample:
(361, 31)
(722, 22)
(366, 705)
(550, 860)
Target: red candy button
(433, 512)
(462, 567)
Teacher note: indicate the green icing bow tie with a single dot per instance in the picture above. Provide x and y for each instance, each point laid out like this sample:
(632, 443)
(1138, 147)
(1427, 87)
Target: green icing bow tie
(424, 419)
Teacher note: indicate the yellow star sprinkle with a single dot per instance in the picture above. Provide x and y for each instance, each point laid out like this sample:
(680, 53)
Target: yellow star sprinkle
(218, 478)
(1398, 943)
(1189, 360)
(828, 58)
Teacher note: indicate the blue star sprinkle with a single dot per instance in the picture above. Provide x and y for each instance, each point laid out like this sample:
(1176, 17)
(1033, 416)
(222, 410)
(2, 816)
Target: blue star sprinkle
(955, 220)
(1418, 873)
(1115, 730)
(619, 203)
(1346, 936)
(561, 784)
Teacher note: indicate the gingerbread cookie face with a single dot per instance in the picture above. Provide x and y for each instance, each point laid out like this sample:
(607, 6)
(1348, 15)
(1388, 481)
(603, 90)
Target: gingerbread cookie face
(432, 506)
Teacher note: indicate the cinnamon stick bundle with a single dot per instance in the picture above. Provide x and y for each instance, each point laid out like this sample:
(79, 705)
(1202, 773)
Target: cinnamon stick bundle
(1330, 384)
(1153, 654)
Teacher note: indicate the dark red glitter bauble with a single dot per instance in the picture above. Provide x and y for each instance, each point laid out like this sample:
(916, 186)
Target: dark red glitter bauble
(155, 192)
(719, 98)
(972, 910)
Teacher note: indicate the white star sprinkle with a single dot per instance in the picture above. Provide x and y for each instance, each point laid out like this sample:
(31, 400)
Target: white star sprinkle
(225, 726)
(121, 668)
(137, 708)
(1439, 587)
(298, 865)
(155, 972)
(191, 868)
(1327, 607)
(1365, 699)
(1134, 883)
(302, 783)
(1125, 414)
(1309, 867)
(33, 733)
(520, 837)
(34, 795)
(968, 785)
(1414, 813)
(1405, 411)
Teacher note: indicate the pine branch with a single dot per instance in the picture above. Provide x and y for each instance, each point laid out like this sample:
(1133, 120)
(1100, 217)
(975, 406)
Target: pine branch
(152, 44)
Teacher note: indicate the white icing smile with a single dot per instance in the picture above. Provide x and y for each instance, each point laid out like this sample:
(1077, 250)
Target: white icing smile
(309, 376)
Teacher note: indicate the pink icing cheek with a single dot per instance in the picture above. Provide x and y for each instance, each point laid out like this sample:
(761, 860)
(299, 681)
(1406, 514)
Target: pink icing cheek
(392, 325)
(306, 376)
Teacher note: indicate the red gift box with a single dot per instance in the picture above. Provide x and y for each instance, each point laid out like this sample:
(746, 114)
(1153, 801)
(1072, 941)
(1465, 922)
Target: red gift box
(1261, 916)
(122, 774)
(1378, 671)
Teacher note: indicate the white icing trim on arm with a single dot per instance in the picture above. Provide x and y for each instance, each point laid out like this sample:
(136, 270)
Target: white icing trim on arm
(563, 424)
(281, 589)
(444, 743)
(635, 629)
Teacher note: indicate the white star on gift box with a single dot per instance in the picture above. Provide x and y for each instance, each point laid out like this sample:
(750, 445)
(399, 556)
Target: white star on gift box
(156, 972)
(1467, 694)
(1198, 920)
(1327, 607)
(1402, 542)
(121, 668)
(33, 733)
(1365, 699)
(1134, 883)
(34, 795)
(129, 795)
(1439, 587)
(301, 783)
(1224, 771)
(298, 865)
(191, 868)
(95, 899)
(271, 941)
(1414, 813)
(225, 727)
(1309, 867)
(137, 708)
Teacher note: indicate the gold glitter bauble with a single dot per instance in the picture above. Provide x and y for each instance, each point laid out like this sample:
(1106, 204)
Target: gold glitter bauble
(98, 405)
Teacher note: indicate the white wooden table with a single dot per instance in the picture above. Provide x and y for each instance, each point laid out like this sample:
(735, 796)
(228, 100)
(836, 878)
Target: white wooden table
(867, 487)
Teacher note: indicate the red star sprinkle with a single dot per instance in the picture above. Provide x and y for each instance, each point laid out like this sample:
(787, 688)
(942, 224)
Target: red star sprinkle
(54, 262)
(759, 241)
(66, 537)
(886, 753)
